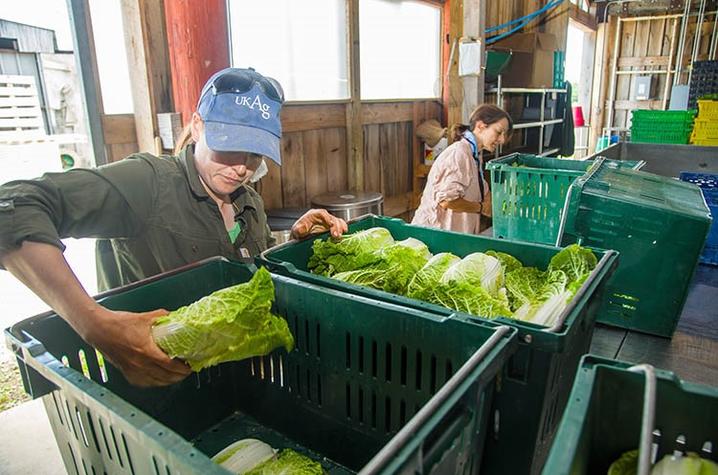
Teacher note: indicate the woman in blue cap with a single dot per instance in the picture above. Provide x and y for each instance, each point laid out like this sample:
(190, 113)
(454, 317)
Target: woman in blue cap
(153, 214)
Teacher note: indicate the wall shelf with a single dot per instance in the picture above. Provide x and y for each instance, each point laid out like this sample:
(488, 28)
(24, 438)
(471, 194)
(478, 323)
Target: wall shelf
(541, 122)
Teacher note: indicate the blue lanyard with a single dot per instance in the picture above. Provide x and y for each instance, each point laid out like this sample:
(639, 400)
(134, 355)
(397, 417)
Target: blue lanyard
(471, 138)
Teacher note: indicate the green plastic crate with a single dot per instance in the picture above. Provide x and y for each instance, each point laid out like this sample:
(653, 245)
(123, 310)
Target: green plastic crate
(657, 224)
(648, 118)
(373, 386)
(679, 136)
(536, 382)
(528, 193)
(603, 418)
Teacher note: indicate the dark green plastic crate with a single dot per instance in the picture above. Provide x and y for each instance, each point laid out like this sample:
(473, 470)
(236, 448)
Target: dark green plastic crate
(603, 418)
(360, 372)
(528, 193)
(536, 382)
(658, 225)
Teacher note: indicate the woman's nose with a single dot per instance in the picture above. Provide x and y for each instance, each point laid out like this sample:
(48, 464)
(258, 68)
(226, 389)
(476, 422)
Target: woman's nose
(240, 170)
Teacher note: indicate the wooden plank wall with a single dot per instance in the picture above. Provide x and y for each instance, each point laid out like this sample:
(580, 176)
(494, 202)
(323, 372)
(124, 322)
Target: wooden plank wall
(645, 45)
(314, 153)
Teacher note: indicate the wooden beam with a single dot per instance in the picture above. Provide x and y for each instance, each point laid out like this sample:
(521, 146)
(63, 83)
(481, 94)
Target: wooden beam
(384, 113)
(148, 61)
(355, 130)
(638, 61)
(584, 20)
(631, 105)
(297, 118)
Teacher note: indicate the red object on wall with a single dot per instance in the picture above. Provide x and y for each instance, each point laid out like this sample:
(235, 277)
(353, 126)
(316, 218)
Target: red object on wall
(578, 120)
(198, 42)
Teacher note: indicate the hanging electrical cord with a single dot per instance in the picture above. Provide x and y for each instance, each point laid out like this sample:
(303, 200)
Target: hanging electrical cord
(520, 22)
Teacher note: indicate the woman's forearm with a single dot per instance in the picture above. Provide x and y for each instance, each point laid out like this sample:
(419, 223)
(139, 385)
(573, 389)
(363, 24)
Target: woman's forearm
(461, 205)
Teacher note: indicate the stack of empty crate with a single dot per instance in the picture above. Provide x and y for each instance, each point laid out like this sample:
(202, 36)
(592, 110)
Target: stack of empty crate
(655, 126)
(705, 131)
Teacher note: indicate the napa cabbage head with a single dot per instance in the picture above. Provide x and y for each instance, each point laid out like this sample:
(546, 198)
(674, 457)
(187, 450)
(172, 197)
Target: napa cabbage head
(230, 324)
(288, 462)
(537, 297)
(575, 261)
(349, 252)
(477, 269)
(421, 250)
(688, 464)
(470, 298)
(394, 269)
(507, 260)
(429, 276)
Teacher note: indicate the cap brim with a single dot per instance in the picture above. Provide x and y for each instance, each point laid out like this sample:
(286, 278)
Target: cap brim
(241, 138)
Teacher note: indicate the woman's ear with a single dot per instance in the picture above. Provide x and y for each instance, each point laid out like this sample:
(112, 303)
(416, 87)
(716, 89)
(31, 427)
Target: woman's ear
(196, 126)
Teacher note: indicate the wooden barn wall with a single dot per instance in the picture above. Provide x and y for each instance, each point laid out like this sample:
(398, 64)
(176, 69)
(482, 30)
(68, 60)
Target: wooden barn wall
(652, 39)
(644, 45)
(314, 153)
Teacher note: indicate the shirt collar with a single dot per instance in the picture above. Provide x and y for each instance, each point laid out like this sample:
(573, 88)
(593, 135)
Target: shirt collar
(471, 138)
(240, 197)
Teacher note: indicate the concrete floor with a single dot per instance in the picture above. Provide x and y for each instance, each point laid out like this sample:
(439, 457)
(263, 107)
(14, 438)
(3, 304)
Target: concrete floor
(27, 444)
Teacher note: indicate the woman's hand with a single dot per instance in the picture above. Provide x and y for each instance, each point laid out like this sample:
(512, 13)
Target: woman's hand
(317, 221)
(125, 339)
(461, 205)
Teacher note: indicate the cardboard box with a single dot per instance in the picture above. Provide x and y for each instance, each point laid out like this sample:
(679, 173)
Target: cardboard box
(532, 59)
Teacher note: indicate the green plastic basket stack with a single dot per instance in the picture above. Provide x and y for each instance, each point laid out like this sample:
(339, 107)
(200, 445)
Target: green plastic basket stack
(657, 224)
(536, 381)
(655, 126)
(604, 418)
(528, 194)
(369, 386)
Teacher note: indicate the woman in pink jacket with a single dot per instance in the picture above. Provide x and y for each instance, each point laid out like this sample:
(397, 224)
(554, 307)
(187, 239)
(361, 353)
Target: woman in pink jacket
(456, 194)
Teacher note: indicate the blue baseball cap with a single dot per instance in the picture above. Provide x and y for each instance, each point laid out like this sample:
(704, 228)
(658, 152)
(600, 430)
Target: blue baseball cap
(240, 109)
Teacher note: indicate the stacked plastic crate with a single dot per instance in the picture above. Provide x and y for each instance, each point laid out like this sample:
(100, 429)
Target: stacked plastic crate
(708, 184)
(704, 81)
(653, 126)
(705, 131)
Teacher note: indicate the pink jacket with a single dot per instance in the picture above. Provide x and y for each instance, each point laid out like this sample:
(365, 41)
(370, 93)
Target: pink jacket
(453, 175)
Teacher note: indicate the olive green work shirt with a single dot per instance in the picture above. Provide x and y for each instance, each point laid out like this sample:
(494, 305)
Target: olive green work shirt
(150, 215)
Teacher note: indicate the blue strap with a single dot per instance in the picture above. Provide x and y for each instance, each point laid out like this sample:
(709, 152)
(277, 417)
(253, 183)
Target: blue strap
(471, 138)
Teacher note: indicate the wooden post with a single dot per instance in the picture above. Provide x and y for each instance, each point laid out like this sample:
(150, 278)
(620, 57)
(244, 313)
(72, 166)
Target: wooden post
(148, 60)
(454, 90)
(474, 26)
(601, 79)
(669, 74)
(198, 42)
(354, 127)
